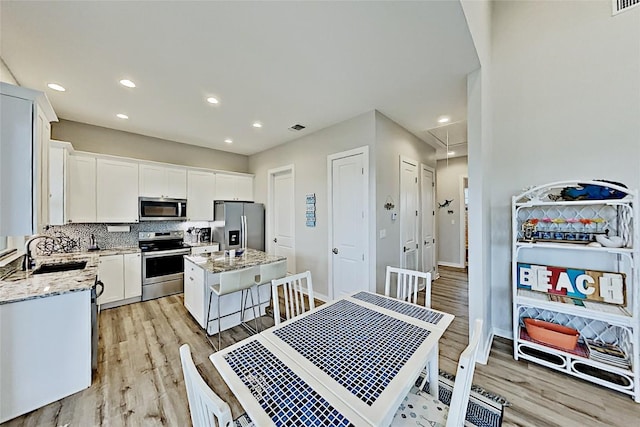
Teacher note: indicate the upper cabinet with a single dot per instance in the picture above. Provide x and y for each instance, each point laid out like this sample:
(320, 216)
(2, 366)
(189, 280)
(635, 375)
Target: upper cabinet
(234, 187)
(58, 191)
(116, 191)
(160, 181)
(81, 203)
(26, 117)
(200, 195)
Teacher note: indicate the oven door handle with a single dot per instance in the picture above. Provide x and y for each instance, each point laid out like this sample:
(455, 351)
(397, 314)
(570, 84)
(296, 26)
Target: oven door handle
(159, 254)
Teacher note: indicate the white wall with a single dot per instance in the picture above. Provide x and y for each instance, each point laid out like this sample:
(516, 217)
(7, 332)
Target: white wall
(566, 105)
(6, 75)
(449, 176)
(308, 154)
(392, 141)
(479, 129)
(96, 139)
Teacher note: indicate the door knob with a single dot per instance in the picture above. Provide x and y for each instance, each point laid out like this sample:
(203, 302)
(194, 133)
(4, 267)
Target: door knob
(425, 242)
(335, 251)
(275, 240)
(404, 249)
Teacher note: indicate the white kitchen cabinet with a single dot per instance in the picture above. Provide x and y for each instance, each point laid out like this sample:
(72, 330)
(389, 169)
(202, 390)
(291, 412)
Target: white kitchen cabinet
(46, 351)
(194, 291)
(58, 191)
(24, 164)
(121, 276)
(197, 250)
(117, 191)
(132, 275)
(200, 195)
(234, 187)
(161, 181)
(82, 189)
(110, 273)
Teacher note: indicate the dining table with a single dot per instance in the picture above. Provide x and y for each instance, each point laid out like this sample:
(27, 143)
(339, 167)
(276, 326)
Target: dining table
(348, 362)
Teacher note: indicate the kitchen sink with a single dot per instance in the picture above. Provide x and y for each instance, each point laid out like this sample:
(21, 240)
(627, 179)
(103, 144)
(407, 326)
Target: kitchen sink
(55, 268)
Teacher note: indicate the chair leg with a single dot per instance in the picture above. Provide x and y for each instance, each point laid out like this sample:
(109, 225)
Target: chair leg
(219, 328)
(206, 327)
(253, 305)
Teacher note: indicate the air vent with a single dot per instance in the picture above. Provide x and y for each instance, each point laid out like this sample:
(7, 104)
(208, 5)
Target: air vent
(296, 127)
(623, 5)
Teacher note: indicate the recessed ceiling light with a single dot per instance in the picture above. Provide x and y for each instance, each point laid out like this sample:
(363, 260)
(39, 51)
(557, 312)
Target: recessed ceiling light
(443, 120)
(127, 83)
(212, 100)
(450, 153)
(122, 116)
(56, 86)
(228, 140)
(257, 125)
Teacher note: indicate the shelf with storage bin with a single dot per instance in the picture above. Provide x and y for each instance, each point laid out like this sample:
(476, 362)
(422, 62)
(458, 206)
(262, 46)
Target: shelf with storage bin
(560, 276)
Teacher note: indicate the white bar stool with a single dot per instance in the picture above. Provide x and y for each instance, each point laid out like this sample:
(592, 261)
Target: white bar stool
(268, 272)
(231, 282)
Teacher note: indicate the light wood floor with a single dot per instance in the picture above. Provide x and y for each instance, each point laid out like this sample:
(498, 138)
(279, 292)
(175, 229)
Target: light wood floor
(139, 380)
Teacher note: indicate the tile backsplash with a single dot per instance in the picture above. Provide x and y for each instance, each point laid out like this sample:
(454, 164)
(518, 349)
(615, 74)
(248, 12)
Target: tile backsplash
(81, 233)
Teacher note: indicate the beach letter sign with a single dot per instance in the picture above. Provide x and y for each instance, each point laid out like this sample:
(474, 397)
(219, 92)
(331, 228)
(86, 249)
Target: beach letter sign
(601, 286)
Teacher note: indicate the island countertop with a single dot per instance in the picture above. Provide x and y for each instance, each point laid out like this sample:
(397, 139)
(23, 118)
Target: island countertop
(219, 263)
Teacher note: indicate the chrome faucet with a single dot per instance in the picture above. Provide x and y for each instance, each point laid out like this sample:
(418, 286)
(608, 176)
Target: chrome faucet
(28, 259)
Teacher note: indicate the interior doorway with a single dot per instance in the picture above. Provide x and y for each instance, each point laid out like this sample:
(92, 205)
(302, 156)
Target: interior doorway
(409, 214)
(428, 223)
(282, 225)
(464, 220)
(348, 174)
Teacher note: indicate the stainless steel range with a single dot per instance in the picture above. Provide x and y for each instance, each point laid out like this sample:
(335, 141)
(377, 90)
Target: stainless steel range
(162, 263)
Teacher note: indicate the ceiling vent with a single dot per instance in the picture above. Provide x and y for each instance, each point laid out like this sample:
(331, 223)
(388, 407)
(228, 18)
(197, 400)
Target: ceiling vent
(620, 6)
(298, 127)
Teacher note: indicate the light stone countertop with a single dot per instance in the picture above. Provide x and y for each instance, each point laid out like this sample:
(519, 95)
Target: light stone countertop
(21, 285)
(219, 263)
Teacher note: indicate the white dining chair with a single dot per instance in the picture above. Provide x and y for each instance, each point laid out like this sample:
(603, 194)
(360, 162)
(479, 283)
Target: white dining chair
(206, 407)
(293, 288)
(268, 272)
(419, 407)
(408, 283)
(230, 282)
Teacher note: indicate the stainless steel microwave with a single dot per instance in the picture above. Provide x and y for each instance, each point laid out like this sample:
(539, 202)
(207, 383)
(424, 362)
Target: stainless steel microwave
(162, 209)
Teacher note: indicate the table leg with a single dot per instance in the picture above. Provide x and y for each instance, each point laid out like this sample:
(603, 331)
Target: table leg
(433, 372)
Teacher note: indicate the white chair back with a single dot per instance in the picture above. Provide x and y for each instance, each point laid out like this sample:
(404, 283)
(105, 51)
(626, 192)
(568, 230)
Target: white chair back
(207, 409)
(464, 378)
(275, 270)
(407, 284)
(293, 289)
(237, 280)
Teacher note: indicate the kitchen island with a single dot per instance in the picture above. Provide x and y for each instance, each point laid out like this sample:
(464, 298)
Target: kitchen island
(200, 273)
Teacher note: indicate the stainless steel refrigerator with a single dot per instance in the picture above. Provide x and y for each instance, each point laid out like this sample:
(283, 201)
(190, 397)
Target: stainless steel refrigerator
(238, 224)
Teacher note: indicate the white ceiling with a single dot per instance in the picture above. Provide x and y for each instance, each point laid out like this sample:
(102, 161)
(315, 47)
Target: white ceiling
(281, 63)
(449, 138)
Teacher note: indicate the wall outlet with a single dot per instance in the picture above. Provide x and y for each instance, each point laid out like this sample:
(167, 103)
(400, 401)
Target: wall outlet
(453, 221)
(383, 233)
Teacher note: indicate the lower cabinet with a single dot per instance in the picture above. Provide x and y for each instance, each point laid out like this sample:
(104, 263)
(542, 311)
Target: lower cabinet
(121, 276)
(194, 291)
(197, 250)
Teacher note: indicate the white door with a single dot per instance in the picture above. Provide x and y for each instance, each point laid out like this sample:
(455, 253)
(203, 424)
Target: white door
(282, 216)
(349, 218)
(110, 273)
(409, 214)
(428, 219)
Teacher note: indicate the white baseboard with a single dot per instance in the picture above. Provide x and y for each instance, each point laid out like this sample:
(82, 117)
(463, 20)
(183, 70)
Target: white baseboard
(321, 297)
(450, 264)
(503, 333)
(483, 353)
